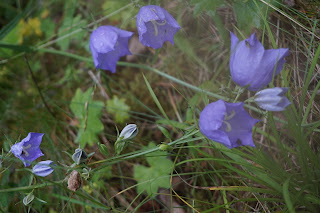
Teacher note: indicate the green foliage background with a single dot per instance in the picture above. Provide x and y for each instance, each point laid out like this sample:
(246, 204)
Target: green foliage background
(163, 92)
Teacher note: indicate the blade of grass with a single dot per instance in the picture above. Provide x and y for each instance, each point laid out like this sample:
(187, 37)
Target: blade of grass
(287, 196)
(155, 99)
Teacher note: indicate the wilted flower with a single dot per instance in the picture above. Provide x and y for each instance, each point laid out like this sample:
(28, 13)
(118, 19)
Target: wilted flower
(43, 168)
(251, 64)
(128, 132)
(272, 99)
(155, 26)
(107, 45)
(79, 156)
(74, 181)
(227, 123)
(28, 149)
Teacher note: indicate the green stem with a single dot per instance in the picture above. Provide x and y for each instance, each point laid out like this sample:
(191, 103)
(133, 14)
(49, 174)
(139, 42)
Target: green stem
(24, 188)
(145, 67)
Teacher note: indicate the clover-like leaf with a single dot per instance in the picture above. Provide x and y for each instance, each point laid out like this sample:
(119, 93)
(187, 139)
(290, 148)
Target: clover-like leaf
(119, 109)
(157, 175)
(88, 112)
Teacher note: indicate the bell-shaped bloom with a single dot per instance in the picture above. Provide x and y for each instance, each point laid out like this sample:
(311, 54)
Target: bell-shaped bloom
(272, 99)
(28, 149)
(227, 123)
(253, 66)
(155, 26)
(107, 45)
(43, 168)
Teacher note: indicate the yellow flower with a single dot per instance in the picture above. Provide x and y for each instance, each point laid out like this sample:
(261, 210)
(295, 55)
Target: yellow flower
(44, 14)
(29, 28)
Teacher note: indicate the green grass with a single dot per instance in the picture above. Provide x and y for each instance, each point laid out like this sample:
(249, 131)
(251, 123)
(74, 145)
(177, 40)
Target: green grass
(167, 88)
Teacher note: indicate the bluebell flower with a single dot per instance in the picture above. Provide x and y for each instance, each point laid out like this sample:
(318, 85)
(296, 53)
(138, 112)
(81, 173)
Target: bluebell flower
(155, 26)
(272, 99)
(251, 65)
(43, 168)
(227, 123)
(107, 45)
(28, 149)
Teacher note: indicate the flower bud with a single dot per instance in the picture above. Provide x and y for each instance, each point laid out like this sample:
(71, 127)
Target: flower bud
(79, 156)
(165, 147)
(43, 168)
(103, 149)
(28, 199)
(128, 132)
(272, 99)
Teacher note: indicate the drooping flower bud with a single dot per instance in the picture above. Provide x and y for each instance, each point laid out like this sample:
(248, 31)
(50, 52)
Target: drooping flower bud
(272, 99)
(79, 156)
(43, 168)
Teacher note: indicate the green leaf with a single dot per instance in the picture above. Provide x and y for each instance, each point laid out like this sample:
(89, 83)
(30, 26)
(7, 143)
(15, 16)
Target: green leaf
(247, 14)
(119, 109)
(48, 26)
(69, 25)
(157, 175)
(11, 38)
(206, 5)
(164, 132)
(286, 196)
(88, 112)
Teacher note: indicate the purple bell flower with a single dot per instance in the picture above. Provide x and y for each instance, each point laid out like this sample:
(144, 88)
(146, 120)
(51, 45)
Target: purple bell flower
(107, 45)
(28, 149)
(272, 99)
(155, 26)
(43, 168)
(227, 123)
(251, 64)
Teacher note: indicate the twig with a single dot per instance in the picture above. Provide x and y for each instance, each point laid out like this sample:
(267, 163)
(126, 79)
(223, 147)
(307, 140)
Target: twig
(96, 80)
(38, 88)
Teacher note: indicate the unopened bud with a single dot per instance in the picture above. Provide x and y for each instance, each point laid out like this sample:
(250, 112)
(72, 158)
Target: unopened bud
(128, 132)
(79, 156)
(28, 199)
(165, 147)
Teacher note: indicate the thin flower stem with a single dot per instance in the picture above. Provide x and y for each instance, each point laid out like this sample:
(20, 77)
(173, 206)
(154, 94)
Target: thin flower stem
(38, 88)
(240, 91)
